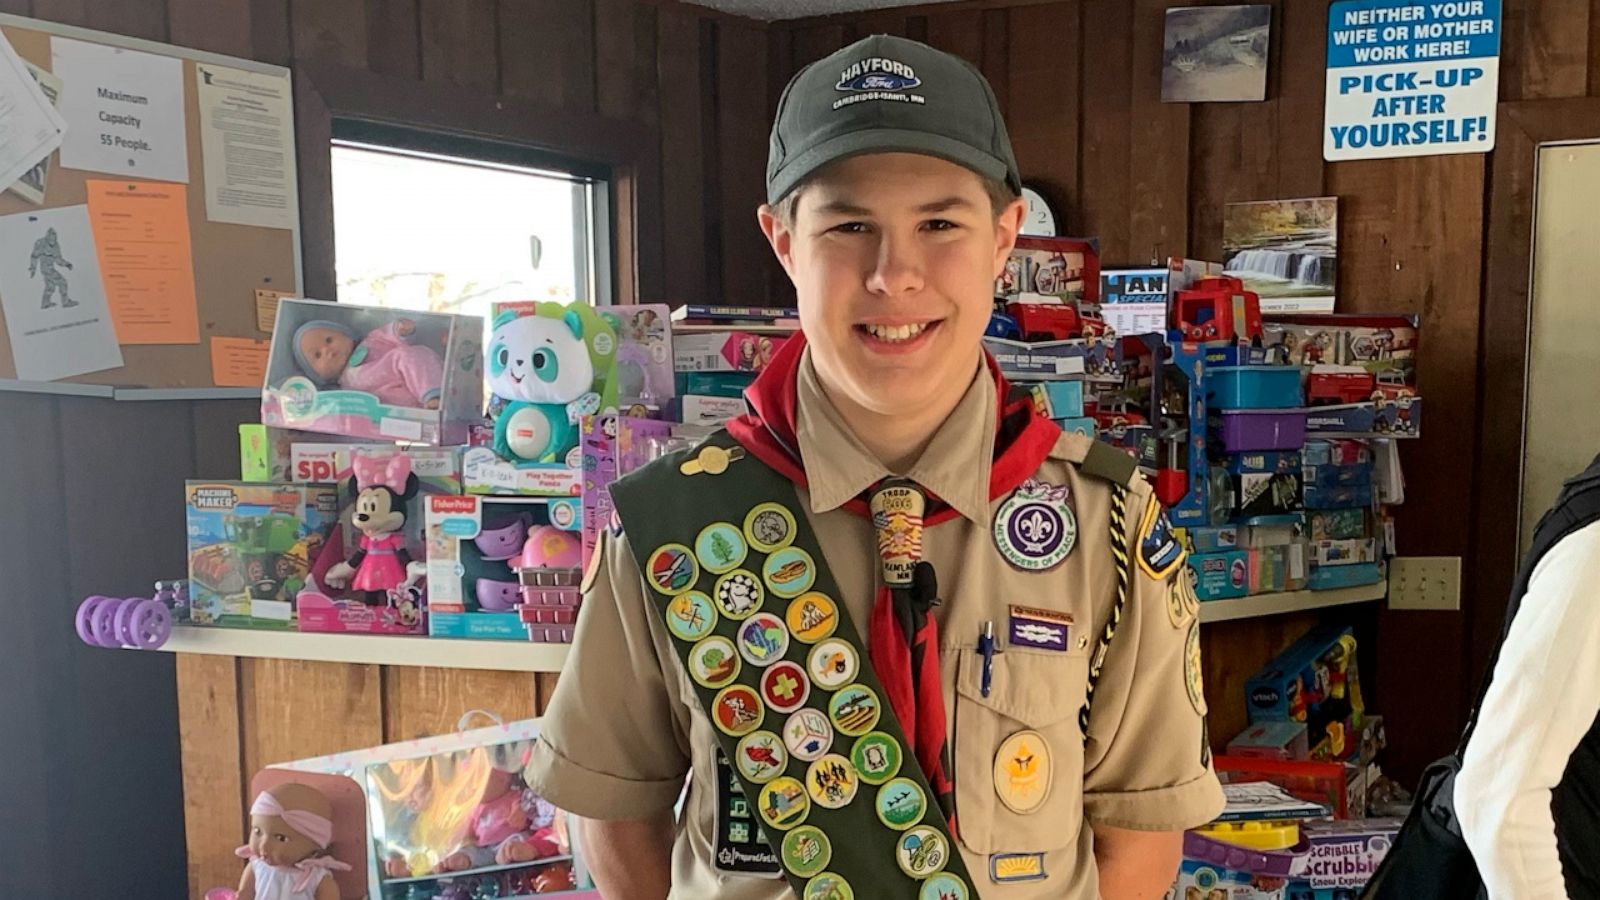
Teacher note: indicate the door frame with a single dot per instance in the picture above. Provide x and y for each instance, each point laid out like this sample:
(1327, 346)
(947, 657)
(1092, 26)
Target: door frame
(1524, 128)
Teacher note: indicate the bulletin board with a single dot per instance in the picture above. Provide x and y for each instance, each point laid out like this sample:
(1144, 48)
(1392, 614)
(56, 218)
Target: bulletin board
(242, 257)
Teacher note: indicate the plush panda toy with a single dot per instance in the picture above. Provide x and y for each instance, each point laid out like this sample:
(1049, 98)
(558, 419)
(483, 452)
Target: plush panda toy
(547, 369)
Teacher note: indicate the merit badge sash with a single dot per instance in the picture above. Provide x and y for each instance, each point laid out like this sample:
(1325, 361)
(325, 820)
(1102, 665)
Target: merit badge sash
(783, 675)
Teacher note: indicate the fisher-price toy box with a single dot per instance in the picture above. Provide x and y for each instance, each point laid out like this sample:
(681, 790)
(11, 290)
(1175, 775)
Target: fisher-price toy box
(251, 547)
(504, 568)
(325, 609)
(369, 372)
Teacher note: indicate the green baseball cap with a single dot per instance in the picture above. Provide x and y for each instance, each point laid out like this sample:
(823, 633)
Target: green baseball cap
(886, 94)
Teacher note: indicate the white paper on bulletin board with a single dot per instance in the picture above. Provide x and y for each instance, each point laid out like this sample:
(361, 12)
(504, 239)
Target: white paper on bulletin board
(246, 139)
(124, 111)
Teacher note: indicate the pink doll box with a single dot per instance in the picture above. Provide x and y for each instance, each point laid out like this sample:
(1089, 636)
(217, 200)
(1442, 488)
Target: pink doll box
(367, 372)
(326, 609)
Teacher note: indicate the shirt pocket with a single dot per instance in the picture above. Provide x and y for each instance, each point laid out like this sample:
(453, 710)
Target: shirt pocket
(1028, 692)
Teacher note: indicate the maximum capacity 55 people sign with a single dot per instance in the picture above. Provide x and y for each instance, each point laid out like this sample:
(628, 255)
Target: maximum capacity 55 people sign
(1411, 78)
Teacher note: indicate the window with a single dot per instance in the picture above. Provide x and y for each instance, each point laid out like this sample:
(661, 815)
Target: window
(438, 223)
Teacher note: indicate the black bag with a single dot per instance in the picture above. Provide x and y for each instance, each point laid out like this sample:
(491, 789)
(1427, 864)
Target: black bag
(1430, 859)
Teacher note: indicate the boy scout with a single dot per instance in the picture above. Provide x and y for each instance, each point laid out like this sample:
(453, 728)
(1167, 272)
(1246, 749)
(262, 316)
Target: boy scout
(891, 613)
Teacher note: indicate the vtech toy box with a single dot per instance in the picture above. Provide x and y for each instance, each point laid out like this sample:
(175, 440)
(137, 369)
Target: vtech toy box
(1314, 681)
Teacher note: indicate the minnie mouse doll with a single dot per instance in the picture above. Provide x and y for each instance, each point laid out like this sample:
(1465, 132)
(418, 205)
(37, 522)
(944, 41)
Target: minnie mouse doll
(383, 487)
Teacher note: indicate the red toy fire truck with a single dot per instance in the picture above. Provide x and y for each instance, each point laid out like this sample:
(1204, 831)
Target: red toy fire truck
(1218, 309)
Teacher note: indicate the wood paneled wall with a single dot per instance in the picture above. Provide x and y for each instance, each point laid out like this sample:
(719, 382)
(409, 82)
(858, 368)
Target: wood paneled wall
(1080, 83)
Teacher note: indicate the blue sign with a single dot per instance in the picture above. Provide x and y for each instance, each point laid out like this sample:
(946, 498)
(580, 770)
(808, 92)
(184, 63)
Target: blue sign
(1411, 78)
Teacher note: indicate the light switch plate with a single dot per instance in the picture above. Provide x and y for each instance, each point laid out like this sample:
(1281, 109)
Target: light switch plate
(1425, 582)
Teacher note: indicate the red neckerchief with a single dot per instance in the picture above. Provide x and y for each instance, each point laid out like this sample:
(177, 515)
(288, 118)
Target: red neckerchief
(907, 662)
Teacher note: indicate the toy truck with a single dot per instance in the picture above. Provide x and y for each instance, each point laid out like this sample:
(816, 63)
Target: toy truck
(1053, 322)
(1218, 309)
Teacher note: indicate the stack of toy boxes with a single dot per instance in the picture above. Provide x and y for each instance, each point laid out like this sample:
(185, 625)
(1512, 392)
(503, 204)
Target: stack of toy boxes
(1361, 376)
(1254, 541)
(717, 351)
(1341, 514)
(1310, 732)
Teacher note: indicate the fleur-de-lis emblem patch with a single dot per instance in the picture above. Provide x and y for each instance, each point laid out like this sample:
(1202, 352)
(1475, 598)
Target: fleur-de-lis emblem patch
(1035, 528)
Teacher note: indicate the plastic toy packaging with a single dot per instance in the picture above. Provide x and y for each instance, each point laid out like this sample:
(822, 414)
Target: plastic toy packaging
(369, 372)
(251, 547)
(463, 825)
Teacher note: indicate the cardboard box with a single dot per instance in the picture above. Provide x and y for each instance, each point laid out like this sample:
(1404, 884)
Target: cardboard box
(482, 472)
(414, 345)
(1222, 575)
(1058, 399)
(250, 547)
(1315, 681)
(700, 410)
(1271, 740)
(730, 351)
(461, 574)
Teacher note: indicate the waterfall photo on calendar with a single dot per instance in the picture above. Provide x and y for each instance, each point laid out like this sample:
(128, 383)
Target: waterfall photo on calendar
(1284, 250)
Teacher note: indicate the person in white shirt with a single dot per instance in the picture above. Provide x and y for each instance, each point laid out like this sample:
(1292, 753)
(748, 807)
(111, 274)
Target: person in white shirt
(1536, 736)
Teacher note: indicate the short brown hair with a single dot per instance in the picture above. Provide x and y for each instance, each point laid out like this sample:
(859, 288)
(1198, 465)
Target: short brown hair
(1000, 196)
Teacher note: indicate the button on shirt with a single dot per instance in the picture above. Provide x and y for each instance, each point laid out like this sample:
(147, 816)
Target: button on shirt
(624, 726)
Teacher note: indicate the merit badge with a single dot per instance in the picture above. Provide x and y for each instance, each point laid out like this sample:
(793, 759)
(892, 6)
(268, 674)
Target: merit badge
(1042, 628)
(770, 527)
(1159, 549)
(763, 639)
(785, 687)
(943, 886)
(828, 886)
(761, 756)
(720, 548)
(691, 616)
(897, 516)
(789, 572)
(1193, 680)
(737, 710)
(832, 782)
(812, 617)
(672, 569)
(808, 734)
(1035, 528)
(854, 710)
(1013, 867)
(832, 664)
(738, 594)
(711, 460)
(922, 851)
(806, 851)
(783, 803)
(876, 757)
(1177, 607)
(713, 662)
(901, 804)
(1022, 772)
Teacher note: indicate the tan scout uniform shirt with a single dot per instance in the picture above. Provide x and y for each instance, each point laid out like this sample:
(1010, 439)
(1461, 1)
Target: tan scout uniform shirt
(624, 724)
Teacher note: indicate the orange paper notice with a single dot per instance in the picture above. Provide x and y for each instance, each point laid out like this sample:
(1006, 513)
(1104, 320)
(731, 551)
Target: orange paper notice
(239, 362)
(141, 234)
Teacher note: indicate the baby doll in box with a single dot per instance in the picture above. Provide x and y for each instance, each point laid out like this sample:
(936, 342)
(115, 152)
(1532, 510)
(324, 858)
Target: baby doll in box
(384, 363)
(291, 828)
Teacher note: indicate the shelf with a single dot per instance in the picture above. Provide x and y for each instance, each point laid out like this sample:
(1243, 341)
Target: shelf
(1293, 601)
(385, 650)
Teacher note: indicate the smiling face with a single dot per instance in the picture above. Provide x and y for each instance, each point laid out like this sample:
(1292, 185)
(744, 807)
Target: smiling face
(894, 258)
(276, 843)
(327, 351)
